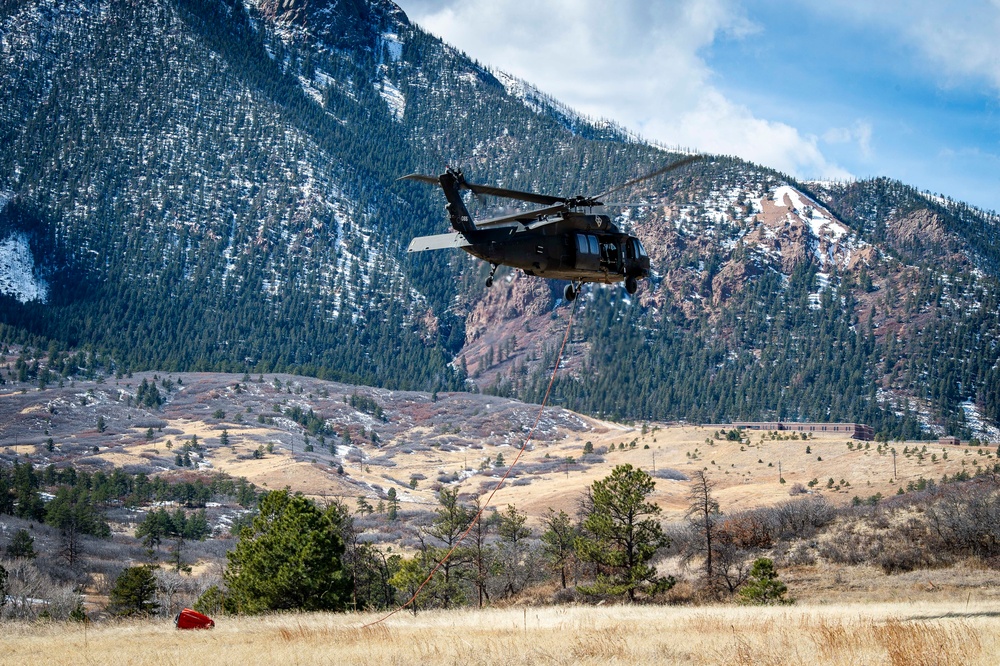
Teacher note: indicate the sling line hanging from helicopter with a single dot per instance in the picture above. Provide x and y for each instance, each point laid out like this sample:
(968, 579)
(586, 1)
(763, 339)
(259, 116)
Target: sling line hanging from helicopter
(475, 519)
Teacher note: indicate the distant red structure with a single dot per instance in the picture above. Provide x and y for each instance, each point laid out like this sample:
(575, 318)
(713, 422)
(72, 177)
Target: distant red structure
(192, 619)
(855, 430)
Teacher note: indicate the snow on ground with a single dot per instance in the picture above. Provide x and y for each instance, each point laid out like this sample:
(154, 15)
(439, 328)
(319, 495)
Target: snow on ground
(309, 89)
(394, 97)
(323, 80)
(393, 46)
(817, 217)
(17, 271)
(822, 283)
(978, 424)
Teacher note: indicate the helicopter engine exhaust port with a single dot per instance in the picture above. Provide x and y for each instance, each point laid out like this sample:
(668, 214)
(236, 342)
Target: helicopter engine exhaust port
(631, 284)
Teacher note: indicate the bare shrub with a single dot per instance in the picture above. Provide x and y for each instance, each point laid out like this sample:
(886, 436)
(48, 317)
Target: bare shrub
(175, 592)
(799, 555)
(904, 557)
(30, 592)
(670, 474)
(143, 424)
(965, 520)
(140, 469)
(851, 548)
(801, 518)
(91, 461)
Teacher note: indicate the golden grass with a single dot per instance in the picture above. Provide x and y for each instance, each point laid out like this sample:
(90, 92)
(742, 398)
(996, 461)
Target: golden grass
(891, 634)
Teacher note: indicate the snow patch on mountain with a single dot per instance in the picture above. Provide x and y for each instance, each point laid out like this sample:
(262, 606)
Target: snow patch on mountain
(17, 271)
(820, 220)
(394, 98)
(980, 426)
(520, 89)
(392, 46)
(310, 89)
(822, 284)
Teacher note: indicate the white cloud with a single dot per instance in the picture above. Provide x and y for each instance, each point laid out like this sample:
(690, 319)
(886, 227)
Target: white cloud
(637, 62)
(860, 133)
(957, 39)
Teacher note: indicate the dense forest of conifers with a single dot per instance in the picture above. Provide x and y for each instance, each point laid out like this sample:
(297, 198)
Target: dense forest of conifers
(202, 200)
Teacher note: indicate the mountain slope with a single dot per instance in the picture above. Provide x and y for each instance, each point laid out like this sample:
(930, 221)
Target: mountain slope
(211, 184)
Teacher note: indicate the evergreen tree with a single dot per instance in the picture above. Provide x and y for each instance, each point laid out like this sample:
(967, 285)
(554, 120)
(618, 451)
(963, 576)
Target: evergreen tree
(134, 593)
(515, 567)
(408, 576)
(73, 513)
(558, 541)
(621, 532)
(450, 521)
(21, 545)
(393, 504)
(763, 586)
(288, 559)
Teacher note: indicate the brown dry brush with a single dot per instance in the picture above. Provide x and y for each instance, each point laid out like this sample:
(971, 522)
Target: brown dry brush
(935, 528)
(921, 530)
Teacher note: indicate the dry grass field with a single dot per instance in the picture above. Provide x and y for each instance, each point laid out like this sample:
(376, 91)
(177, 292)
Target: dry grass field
(939, 634)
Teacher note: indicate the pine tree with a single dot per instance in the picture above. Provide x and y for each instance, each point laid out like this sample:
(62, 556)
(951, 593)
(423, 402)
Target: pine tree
(763, 586)
(288, 559)
(621, 533)
(21, 545)
(393, 504)
(134, 593)
(558, 542)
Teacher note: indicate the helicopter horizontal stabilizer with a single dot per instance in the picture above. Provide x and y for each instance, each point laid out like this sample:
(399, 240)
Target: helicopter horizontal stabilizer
(438, 242)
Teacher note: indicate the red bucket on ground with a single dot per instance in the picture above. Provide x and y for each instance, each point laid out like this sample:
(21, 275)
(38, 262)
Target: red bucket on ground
(192, 619)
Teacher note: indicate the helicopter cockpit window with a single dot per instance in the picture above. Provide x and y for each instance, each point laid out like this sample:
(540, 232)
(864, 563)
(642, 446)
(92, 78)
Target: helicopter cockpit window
(637, 249)
(595, 247)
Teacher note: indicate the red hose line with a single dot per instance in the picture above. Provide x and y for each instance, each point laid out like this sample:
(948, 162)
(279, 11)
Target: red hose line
(475, 519)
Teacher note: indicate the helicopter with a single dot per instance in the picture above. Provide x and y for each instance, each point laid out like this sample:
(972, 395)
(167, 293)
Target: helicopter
(564, 240)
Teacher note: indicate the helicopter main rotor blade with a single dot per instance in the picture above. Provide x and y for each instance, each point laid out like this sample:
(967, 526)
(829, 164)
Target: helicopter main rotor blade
(530, 197)
(525, 217)
(659, 172)
(419, 177)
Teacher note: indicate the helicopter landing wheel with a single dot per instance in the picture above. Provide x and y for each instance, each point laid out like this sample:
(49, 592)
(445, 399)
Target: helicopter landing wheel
(631, 284)
(569, 293)
(489, 280)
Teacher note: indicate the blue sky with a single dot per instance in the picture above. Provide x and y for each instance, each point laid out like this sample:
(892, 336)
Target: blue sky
(833, 90)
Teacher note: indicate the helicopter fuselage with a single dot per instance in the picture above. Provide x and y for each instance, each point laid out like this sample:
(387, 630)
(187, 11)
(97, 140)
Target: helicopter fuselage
(559, 241)
(580, 248)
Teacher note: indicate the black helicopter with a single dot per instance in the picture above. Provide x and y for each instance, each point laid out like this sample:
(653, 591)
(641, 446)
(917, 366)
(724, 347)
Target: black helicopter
(559, 241)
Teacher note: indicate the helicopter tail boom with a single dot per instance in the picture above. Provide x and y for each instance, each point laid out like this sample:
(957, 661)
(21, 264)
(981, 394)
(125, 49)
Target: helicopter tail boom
(452, 183)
